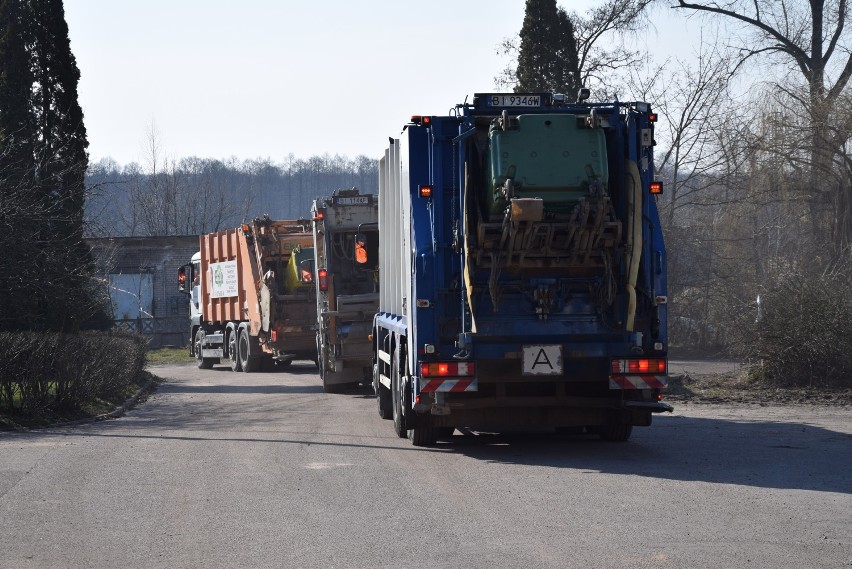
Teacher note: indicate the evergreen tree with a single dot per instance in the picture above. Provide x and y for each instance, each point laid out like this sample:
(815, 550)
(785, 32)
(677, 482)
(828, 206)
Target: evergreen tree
(15, 84)
(566, 76)
(18, 198)
(547, 60)
(43, 141)
(61, 164)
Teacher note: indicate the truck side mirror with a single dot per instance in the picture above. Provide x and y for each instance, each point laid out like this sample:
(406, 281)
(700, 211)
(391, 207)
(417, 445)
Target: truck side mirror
(184, 277)
(306, 271)
(361, 248)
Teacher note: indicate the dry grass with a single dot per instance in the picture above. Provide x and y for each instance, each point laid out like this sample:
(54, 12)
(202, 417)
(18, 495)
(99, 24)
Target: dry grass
(737, 387)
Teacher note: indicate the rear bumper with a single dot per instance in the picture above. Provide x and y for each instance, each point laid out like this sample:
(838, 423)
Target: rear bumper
(649, 406)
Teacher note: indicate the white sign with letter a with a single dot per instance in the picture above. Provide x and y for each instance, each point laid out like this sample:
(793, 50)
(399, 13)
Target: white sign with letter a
(543, 360)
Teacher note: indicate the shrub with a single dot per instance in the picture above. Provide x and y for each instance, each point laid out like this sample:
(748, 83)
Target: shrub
(55, 371)
(801, 333)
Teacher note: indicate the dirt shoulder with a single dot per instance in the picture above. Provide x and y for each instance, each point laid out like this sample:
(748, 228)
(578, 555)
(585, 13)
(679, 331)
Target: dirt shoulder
(719, 381)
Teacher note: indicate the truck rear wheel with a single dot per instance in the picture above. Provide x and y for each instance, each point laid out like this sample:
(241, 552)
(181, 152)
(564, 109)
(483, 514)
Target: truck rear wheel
(249, 361)
(319, 354)
(202, 362)
(423, 436)
(383, 396)
(397, 397)
(615, 432)
(233, 348)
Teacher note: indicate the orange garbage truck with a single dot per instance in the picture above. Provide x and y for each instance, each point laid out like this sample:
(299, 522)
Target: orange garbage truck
(252, 296)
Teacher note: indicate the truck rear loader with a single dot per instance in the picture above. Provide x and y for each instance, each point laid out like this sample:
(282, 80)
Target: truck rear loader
(345, 231)
(522, 270)
(252, 299)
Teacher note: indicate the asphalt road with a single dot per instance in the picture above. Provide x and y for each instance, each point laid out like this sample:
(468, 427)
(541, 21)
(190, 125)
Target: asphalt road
(222, 469)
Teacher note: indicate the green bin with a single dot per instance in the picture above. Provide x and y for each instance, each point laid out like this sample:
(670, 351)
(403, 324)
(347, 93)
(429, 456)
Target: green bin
(554, 157)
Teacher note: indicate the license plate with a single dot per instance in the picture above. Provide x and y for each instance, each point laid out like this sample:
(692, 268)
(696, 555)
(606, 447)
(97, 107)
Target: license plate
(542, 360)
(360, 200)
(514, 101)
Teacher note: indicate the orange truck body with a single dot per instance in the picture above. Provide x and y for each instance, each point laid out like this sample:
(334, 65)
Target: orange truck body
(245, 289)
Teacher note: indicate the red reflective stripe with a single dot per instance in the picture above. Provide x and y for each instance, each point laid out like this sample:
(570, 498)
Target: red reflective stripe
(455, 385)
(623, 382)
(655, 383)
(639, 382)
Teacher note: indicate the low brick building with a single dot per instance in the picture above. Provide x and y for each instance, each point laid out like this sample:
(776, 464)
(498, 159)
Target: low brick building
(142, 276)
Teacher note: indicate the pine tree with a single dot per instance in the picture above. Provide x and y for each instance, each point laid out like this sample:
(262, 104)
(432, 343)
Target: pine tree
(547, 59)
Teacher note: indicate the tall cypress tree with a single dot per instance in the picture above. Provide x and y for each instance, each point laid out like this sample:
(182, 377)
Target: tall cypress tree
(61, 161)
(547, 59)
(15, 86)
(45, 137)
(566, 74)
(18, 198)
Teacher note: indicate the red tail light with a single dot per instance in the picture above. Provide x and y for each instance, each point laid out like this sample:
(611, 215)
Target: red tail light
(322, 279)
(447, 369)
(649, 366)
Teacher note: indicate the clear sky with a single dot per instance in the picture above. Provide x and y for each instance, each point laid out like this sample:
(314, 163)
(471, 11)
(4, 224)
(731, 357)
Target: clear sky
(267, 78)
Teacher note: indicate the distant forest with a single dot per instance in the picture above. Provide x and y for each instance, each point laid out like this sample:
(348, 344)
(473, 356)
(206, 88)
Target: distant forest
(192, 196)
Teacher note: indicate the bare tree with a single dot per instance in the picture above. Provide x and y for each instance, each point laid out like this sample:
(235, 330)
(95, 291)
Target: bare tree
(693, 103)
(812, 40)
(599, 59)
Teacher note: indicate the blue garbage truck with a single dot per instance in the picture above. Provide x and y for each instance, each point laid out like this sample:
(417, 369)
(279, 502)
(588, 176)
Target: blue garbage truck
(522, 270)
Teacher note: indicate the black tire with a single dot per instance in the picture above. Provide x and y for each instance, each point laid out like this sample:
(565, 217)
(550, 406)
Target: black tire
(233, 347)
(400, 425)
(615, 432)
(202, 362)
(423, 436)
(249, 361)
(383, 396)
(320, 362)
